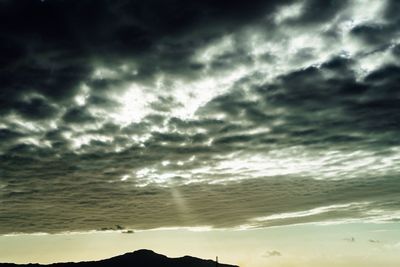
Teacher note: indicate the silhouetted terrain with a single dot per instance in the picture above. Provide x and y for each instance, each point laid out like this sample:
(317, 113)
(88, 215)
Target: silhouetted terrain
(139, 258)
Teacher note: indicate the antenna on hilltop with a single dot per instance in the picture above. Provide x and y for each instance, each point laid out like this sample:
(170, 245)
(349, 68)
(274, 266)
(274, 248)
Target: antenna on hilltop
(216, 262)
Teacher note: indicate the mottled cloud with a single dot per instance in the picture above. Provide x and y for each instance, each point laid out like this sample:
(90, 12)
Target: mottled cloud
(204, 113)
(272, 253)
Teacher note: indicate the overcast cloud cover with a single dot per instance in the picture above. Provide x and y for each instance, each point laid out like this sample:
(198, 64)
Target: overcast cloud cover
(211, 113)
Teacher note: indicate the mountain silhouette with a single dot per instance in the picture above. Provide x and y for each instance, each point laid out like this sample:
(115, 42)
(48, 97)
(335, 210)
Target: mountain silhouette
(139, 258)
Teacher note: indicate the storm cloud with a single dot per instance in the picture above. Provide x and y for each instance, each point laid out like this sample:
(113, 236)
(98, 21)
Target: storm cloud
(154, 114)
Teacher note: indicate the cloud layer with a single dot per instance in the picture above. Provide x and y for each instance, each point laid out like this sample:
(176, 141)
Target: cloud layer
(174, 113)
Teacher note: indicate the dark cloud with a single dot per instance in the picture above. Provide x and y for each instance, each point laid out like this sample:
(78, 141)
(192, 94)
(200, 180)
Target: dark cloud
(7, 135)
(116, 113)
(314, 100)
(376, 34)
(86, 188)
(57, 46)
(36, 109)
(391, 10)
(77, 115)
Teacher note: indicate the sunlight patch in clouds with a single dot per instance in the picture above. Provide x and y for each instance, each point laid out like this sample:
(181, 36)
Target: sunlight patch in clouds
(295, 161)
(367, 11)
(307, 213)
(135, 103)
(288, 12)
(207, 54)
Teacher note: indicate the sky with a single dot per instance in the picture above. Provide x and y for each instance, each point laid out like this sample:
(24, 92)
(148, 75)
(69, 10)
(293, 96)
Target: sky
(311, 245)
(212, 115)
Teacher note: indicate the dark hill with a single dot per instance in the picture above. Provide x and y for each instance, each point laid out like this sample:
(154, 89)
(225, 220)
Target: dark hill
(139, 258)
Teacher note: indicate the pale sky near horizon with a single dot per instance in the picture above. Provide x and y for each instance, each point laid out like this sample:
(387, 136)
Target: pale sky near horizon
(339, 245)
(271, 117)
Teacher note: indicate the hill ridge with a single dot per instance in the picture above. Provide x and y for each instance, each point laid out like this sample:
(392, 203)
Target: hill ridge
(138, 258)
